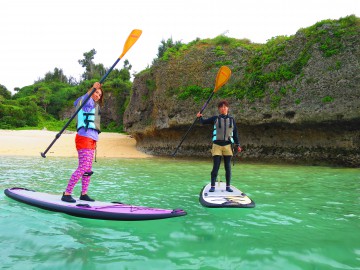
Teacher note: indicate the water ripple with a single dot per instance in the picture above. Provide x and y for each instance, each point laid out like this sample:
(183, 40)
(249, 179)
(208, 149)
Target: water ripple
(305, 218)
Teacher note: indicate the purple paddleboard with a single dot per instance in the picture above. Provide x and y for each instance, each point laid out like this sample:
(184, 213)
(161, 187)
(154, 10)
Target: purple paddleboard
(94, 210)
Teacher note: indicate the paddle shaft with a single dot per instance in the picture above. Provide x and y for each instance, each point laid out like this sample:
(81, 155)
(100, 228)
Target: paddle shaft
(183, 138)
(43, 154)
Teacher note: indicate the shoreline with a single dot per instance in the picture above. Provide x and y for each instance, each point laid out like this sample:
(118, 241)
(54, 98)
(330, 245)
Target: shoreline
(33, 142)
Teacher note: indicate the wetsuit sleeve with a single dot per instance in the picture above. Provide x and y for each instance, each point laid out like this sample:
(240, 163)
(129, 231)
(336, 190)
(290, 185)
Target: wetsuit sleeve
(235, 134)
(208, 121)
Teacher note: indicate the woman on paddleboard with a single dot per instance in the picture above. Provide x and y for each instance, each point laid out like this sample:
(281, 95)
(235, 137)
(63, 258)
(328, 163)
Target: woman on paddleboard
(224, 135)
(88, 129)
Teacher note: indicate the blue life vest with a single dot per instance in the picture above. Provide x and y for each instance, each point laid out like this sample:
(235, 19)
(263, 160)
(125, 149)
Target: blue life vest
(88, 119)
(223, 129)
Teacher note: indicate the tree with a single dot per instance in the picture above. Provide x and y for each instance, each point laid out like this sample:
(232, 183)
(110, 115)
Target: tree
(44, 95)
(127, 65)
(92, 71)
(56, 76)
(72, 81)
(125, 71)
(123, 74)
(4, 92)
(98, 71)
(165, 45)
(88, 64)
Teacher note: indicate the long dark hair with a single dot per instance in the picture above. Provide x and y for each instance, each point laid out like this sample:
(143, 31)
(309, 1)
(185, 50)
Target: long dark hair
(101, 100)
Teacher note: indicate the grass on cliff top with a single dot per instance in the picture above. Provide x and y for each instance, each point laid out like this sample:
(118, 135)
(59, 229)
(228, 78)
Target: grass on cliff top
(329, 34)
(253, 82)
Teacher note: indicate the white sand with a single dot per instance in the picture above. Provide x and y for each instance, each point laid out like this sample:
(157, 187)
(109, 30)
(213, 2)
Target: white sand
(33, 142)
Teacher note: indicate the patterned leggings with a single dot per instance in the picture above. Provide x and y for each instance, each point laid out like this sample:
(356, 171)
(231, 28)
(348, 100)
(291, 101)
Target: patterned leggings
(85, 164)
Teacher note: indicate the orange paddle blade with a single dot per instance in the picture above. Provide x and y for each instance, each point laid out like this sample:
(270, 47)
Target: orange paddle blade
(222, 77)
(133, 37)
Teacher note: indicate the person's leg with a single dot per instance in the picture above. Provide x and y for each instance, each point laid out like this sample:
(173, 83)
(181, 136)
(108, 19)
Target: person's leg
(215, 170)
(86, 176)
(227, 164)
(82, 156)
(88, 160)
(74, 177)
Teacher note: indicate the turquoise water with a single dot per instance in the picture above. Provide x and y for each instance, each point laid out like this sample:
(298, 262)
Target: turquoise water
(305, 218)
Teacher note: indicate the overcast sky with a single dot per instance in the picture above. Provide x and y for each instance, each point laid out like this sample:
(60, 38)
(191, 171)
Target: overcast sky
(38, 35)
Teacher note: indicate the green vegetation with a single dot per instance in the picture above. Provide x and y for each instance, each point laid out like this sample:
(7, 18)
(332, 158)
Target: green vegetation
(219, 51)
(275, 101)
(151, 85)
(41, 105)
(169, 49)
(329, 34)
(197, 92)
(273, 63)
(4, 93)
(267, 62)
(223, 63)
(327, 99)
(257, 75)
(337, 66)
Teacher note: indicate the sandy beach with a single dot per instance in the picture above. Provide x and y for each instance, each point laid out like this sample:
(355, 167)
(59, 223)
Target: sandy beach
(33, 142)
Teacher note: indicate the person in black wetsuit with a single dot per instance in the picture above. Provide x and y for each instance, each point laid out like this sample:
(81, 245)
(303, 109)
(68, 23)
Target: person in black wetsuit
(224, 135)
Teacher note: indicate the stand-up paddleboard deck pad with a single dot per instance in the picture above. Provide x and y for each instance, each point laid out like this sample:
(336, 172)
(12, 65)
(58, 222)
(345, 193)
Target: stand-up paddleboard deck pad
(94, 210)
(221, 198)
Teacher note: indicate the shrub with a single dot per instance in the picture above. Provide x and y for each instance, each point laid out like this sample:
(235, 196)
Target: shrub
(327, 99)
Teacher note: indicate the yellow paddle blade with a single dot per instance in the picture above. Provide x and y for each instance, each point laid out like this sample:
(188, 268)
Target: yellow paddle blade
(133, 37)
(222, 77)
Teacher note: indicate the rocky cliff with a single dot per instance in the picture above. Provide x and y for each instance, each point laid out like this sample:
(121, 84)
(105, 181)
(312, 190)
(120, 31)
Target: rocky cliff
(295, 99)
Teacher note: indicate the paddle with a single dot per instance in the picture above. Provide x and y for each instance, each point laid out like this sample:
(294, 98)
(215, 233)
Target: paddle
(132, 38)
(222, 77)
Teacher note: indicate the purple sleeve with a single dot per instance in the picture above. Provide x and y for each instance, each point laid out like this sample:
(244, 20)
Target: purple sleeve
(89, 105)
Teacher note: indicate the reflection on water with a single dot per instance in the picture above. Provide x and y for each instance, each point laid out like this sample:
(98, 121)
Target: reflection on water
(305, 218)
